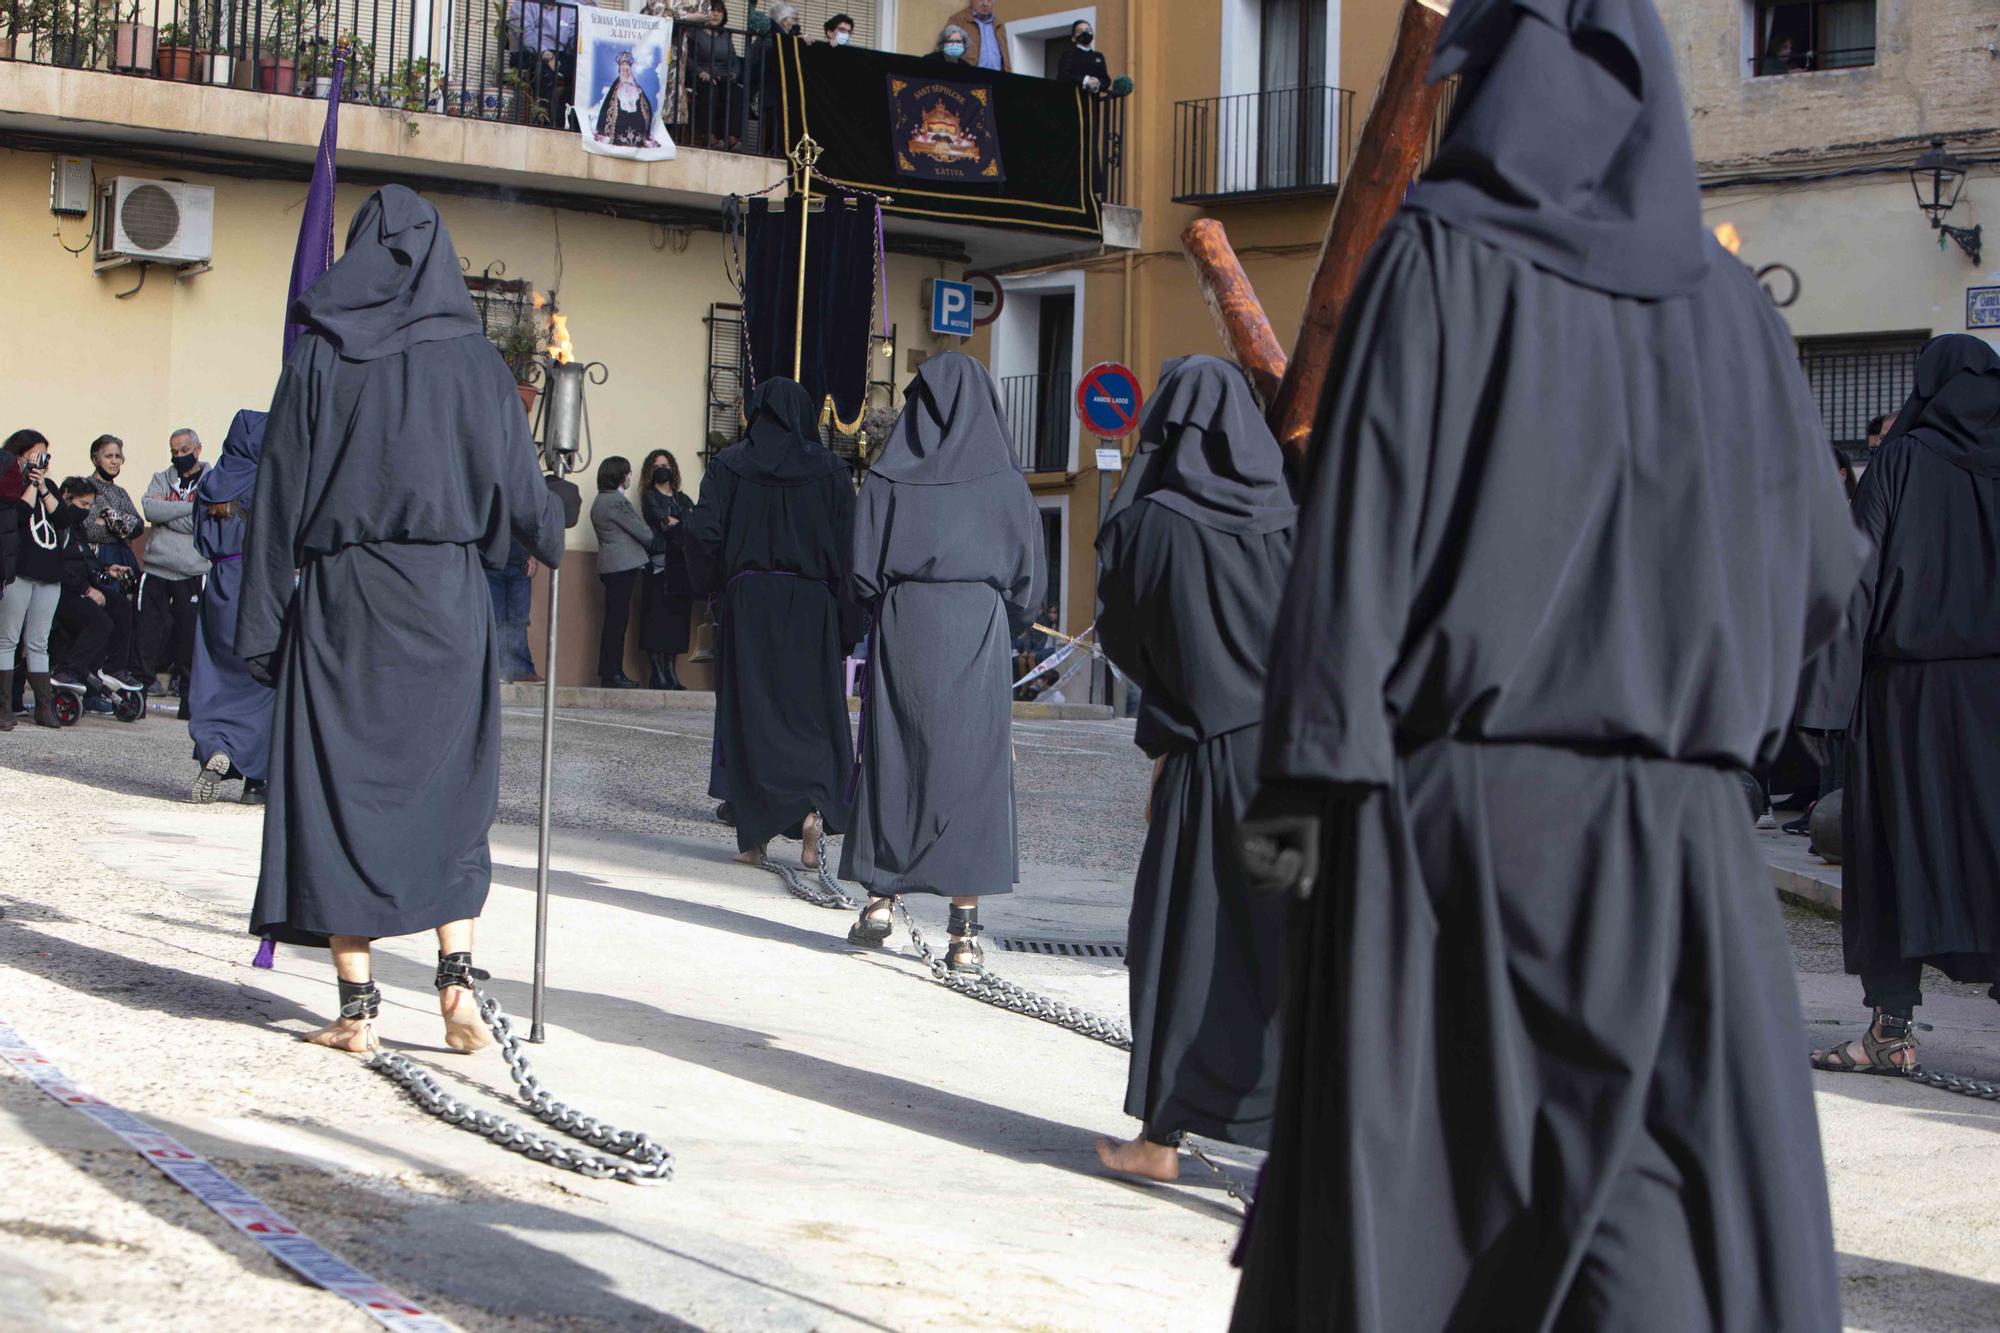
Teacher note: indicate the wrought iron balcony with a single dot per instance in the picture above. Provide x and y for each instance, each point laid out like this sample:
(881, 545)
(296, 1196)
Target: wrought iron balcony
(1281, 142)
(1040, 420)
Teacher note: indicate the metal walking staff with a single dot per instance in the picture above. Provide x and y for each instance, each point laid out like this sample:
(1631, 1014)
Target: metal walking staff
(565, 443)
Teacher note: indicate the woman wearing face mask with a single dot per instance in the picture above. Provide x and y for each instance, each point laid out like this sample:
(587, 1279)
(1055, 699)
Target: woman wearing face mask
(110, 526)
(1081, 62)
(623, 544)
(950, 46)
(31, 514)
(669, 594)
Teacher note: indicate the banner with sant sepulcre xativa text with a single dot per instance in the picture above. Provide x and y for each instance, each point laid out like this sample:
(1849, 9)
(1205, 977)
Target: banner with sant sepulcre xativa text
(621, 77)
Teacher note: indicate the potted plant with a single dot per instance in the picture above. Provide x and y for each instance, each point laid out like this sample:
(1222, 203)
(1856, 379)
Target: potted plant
(316, 70)
(10, 20)
(277, 56)
(520, 342)
(220, 66)
(132, 44)
(71, 31)
(182, 58)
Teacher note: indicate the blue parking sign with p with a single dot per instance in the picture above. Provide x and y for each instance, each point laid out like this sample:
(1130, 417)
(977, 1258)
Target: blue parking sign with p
(951, 308)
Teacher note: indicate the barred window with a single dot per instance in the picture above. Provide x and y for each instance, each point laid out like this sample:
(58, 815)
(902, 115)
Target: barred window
(1856, 378)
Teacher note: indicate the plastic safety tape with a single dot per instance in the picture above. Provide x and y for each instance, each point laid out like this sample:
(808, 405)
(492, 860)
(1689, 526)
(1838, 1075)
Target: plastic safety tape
(234, 1204)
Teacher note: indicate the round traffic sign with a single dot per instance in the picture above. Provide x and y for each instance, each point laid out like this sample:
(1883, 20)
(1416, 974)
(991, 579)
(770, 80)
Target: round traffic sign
(1108, 400)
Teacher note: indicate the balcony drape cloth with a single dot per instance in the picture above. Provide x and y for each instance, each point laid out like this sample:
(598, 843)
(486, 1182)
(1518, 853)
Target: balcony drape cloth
(229, 712)
(771, 535)
(948, 553)
(1543, 1050)
(1914, 680)
(396, 464)
(1191, 564)
(840, 96)
(841, 282)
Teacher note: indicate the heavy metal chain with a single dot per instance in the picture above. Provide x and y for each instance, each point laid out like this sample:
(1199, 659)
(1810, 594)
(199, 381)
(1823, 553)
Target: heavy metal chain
(1968, 1087)
(642, 1159)
(985, 986)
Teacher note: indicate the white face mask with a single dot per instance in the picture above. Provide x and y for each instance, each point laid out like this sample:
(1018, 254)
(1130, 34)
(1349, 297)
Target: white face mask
(840, 38)
(954, 49)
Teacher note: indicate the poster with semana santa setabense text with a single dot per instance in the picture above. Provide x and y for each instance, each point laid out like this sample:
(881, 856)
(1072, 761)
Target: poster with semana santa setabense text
(621, 79)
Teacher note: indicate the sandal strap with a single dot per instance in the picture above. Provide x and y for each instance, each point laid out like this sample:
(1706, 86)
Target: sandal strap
(359, 999)
(965, 923)
(456, 969)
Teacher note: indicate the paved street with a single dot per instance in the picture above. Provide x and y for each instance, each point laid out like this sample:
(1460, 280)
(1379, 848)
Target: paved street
(857, 1146)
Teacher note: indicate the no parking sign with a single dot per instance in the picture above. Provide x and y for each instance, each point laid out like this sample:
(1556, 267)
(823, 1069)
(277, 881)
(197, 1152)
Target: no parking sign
(1108, 400)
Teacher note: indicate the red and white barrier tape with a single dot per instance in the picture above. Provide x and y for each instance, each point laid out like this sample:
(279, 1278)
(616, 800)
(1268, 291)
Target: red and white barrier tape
(230, 1201)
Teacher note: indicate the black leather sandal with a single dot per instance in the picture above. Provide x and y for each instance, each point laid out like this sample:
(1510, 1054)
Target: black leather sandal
(962, 953)
(877, 919)
(1887, 1037)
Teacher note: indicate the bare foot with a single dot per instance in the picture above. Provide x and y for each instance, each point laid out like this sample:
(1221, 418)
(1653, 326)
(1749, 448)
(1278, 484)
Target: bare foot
(1139, 1157)
(809, 826)
(346, 1034)
(753, 857)
(464, 1029)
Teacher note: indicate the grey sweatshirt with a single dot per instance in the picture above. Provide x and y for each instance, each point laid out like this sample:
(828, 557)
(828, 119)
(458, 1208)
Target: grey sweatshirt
(170, 550)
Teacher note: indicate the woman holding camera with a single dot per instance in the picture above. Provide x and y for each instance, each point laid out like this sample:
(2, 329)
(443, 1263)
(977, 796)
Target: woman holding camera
(31, 566)
(668, 596)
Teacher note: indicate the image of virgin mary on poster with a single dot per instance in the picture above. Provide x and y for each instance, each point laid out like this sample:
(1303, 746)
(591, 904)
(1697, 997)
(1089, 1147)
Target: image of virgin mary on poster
(621, 81)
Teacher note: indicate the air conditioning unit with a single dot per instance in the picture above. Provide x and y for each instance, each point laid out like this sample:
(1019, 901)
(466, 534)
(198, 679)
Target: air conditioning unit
(153, 222)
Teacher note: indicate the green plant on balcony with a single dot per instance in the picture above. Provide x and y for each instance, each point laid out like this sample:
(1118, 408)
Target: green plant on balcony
(355, 79)
(521, 341)
(71, 31)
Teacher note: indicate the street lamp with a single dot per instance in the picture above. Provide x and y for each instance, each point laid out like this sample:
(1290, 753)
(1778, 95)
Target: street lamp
(1937, 179)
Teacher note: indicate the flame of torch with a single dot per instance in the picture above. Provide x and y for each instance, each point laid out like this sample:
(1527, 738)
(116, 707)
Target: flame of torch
(1731, 239)
(561, 350)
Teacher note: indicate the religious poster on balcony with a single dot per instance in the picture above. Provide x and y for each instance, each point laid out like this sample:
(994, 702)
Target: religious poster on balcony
(621, 79)
(944, 131)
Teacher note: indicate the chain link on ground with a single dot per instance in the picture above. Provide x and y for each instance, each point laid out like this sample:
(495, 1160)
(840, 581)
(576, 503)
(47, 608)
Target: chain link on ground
(635, 1158)
(1965, 1087)
(827, 893)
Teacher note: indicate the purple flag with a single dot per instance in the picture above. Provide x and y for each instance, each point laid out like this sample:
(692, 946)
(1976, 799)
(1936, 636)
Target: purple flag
(315, 253)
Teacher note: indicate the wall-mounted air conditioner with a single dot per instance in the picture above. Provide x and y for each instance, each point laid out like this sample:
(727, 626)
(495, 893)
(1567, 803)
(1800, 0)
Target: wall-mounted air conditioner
(153, 222)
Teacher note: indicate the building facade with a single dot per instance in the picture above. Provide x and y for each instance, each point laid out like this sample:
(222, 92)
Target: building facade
(1809, 118)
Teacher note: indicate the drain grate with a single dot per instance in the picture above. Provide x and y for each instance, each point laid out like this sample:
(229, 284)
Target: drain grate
(1058, 948)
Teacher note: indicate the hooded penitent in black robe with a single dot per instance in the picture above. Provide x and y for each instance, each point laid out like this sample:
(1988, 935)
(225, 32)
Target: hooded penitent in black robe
(771, 535)
(1568, 535)
(948, 555)
(229, 712)
(395, 459)
(1914, 680)
(1191, 562)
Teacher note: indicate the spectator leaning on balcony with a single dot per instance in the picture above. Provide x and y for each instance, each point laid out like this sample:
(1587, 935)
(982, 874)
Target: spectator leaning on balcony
(1080, 61)
(541, 40)
(170, 592)
(951, 45)
(715, 83)
(839, 30)
(986, 36)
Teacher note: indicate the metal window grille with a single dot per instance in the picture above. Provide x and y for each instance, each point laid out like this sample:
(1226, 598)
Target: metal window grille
(722, 409)
(1855, 379)
(1793, 36)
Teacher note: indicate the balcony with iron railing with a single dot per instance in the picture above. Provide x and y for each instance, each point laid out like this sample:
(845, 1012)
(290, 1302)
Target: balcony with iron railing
(1040, 420)
(501, 61)
(1285, 141)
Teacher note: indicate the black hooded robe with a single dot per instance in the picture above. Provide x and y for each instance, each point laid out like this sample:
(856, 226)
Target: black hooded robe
(230, 713)
(1914, 680)
(1191, 563)
(1542, 1060)
(396, 457)
(771, 536)
(948, 555)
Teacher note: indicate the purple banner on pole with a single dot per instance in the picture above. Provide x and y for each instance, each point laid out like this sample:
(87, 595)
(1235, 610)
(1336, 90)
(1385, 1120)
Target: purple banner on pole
(315, 253)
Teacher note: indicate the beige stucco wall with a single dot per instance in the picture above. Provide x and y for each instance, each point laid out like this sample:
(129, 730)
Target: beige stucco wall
(192, 353)
(1933, 75)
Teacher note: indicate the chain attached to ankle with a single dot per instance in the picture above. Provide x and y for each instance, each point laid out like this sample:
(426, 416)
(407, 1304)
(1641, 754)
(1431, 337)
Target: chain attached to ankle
(964, 923)
(360, 1000)
(456, 969)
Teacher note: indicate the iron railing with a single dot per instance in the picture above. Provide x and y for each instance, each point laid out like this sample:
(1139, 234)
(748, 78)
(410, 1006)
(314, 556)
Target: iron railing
(1039, 418)
(1104, 146)
(1856, 379)
(1285, 141)
(498, 60)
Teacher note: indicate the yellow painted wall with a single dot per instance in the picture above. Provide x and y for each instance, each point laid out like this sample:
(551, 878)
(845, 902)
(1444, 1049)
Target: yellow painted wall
(194, 352)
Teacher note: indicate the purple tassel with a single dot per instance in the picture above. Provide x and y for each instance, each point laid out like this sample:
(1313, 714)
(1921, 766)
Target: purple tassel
(267, 953)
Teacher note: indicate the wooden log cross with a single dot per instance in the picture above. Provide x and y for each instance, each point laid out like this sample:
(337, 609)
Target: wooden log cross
(1385, 159)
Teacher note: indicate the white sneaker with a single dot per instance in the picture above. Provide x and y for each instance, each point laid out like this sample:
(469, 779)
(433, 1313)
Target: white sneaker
(1767, 819)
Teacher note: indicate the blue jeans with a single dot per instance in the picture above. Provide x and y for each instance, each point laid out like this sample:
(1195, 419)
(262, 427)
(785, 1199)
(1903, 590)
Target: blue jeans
(510, 588)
